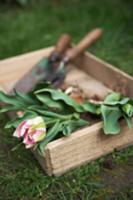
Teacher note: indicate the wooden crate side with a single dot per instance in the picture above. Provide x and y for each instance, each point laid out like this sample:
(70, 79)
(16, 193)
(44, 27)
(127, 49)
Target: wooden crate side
(106, 73)
(45, 162)
(85, 145)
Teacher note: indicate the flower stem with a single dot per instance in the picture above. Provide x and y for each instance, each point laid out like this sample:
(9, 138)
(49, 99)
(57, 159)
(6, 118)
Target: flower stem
(17, 146)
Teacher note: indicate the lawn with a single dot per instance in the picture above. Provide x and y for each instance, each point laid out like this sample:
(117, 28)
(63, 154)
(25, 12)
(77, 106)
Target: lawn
(37, 26)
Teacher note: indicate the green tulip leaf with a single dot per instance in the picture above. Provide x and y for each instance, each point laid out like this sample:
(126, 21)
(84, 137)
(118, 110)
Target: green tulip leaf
(111, 116)
(91, 107)
(115, 99)
(47, 113)
(128, 121)
(17, 120)
(7, 108)
(70, 126)
(49, 102)
(10, 99)
(51, 134)
(58, 95)
(128, 109)
(25, 98)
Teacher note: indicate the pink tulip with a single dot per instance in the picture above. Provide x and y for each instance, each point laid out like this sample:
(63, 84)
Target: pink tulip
(31, 130)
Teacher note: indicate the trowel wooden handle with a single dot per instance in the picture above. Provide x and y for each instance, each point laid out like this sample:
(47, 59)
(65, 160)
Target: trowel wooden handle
(89, 39)
(63, 43)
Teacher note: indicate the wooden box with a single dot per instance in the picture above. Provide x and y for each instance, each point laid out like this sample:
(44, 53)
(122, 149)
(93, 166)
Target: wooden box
(97, 79)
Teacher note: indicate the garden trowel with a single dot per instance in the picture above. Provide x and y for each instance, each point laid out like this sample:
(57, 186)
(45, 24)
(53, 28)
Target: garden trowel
(46, 67)
(53, 68)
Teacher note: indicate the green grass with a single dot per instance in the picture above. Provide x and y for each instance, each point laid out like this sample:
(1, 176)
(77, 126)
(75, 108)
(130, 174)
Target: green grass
(39, 26)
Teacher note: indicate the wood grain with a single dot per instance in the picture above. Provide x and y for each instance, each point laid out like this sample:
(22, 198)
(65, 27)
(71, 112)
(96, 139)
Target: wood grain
(86, 145)
(91, 87)
(109, 75)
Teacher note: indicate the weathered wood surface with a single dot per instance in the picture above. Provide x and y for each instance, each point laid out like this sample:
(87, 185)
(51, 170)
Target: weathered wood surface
(112, 77)
(95, 78)
(85, 145)
(91, 87)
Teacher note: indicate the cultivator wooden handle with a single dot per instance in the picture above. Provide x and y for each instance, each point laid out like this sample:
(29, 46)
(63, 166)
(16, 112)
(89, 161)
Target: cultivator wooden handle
(61, 46)
(73, 53)
(63, 43)
(89, 39)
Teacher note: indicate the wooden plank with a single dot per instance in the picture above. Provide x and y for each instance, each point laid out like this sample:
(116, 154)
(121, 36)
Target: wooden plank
(91, 87)
(45, 162)
(85, 145)
(112, 77)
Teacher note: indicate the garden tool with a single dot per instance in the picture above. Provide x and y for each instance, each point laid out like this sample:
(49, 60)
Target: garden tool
(55, 72)
(46, 66)
(72, 53)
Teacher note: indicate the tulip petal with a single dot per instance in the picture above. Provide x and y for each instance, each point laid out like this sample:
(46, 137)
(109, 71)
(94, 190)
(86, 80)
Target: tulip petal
(20, 130)
(32, 131)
